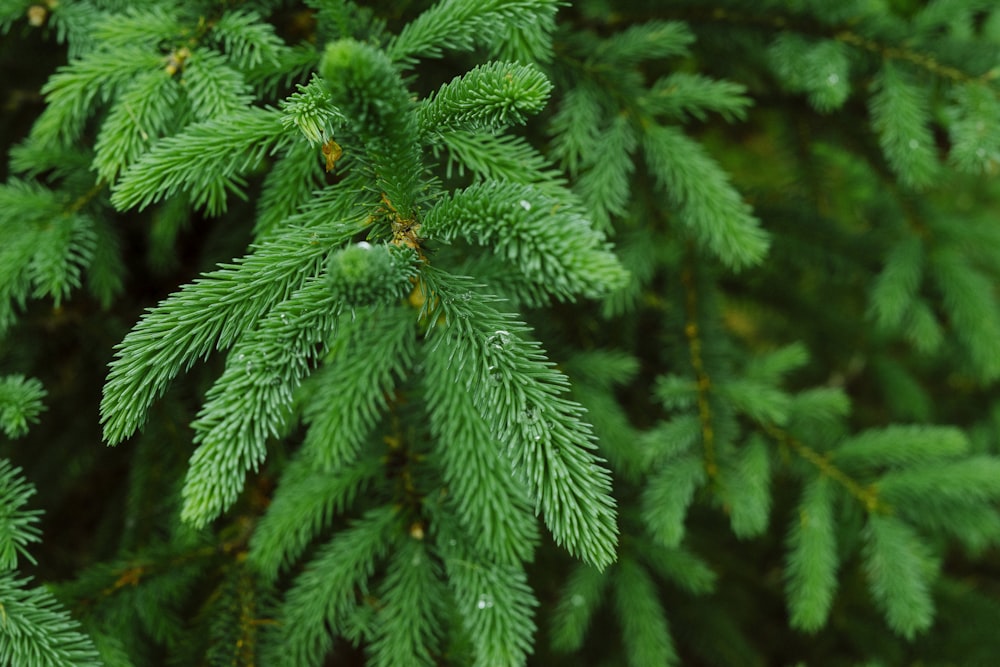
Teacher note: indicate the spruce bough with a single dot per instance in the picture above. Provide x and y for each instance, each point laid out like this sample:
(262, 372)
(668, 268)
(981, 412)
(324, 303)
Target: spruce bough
(735, 229)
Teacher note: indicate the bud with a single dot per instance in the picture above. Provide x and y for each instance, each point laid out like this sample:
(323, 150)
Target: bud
(364, 275)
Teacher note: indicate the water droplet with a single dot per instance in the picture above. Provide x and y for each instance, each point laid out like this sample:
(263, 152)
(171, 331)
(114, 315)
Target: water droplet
(249, 366)
(525, 204)
(576, 600)
(530, 415)
(364, 245)
(485, 602)
(833, 79)
(534, 425)
(914, 144)
(495, 374)
(284, 318)
(499, 340)
(241, 357)
(980, 152)
(465, 296)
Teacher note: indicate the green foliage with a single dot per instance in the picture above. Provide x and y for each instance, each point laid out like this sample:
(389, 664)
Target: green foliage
(20, 404)
(901, 116)
(322, 244)
(820, 70)
(48, 245)
(35, 627)
(490, 96)
(38, 629)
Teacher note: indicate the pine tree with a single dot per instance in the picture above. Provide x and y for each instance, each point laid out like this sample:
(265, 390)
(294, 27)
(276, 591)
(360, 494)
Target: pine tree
(499, 332)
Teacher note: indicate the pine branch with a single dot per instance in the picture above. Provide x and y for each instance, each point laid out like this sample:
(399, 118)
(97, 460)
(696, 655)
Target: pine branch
(217, 310)
(899, 566)
(705, 201)
(367, 360)
(18, 526)
(72, 94)
(206, 160)
(366, 86)
(581, 593)
(540, 431)
(820, 69)
(460, 25)
(681, 95)
(136, 120)
(495, 605)
(902, 119)
(331, 585)
(494, 509)
(645, 629)
(36, 630)
(811, 572)
(247, 40)
(545, 238)
(491, 96)
(252, 400)
(411, 601)
(312, 111)
(652, 40)
(503, 158)
(303, 508)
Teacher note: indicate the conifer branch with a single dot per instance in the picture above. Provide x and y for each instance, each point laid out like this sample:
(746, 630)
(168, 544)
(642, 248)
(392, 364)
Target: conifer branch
(252, 400)
(544, 237)
(645, 627)
(840, 31)
(812, 558)
(281, 537)
(218, 310)
(539, 430)
(490, 96)
(35, 629)
(410, 602)
(207, 160)
(459, 25)
(496, 606)
(20, 405)
(366, 86)
(406, 220)
(905, 54)
(324, 594)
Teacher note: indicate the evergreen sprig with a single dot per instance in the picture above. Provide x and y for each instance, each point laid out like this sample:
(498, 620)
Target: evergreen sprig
(20, 404)
(490, 96)
(456, 25)
(207, 160)
(18, 526)
(544, 237)
(538, 430)
(37, 630)
(218, 310)
(34, 627)
(49, 244)
(380, 437)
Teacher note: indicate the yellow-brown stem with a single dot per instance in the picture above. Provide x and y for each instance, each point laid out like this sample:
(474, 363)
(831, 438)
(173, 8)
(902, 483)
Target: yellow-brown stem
(866, 495)
(703, 382)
